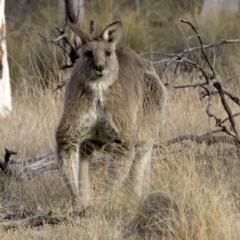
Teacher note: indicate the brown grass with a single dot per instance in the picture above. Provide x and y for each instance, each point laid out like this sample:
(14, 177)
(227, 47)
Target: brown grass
(194, 191)
(157, 28)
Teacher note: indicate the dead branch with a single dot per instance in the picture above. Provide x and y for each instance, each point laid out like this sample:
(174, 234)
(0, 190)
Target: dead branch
(54, 41)
(189, 85)
(32, 159)
(72, 53)
(92, 27)
(4, 166)
(201, 45)
(60, 85)
(211, 81)
(69, 49)
(35, 221)
(227, 109)
(232, 78)
(44, 163)
(210, 85)
(189, 50)
(227, 119)
(206, 138)
(62, 41)
(232, 96)
(48, 163)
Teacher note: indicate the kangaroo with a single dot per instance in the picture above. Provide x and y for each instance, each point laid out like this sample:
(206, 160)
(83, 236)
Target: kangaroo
(114, 100)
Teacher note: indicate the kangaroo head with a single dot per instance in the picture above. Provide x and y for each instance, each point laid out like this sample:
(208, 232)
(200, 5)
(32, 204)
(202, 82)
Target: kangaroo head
(97, 57)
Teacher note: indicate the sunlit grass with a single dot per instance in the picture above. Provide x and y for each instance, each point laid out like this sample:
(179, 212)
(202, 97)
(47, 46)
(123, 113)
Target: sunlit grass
(194, 189)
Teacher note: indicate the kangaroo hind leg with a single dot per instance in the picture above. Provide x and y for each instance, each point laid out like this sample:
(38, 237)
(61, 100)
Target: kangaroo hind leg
(68, 161)
(140, 167)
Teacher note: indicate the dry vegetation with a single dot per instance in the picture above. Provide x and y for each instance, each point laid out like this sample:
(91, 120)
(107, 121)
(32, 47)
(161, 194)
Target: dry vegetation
(194, 192)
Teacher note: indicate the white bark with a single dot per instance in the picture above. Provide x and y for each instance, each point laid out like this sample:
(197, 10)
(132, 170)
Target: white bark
(5, 89)
(213, 7)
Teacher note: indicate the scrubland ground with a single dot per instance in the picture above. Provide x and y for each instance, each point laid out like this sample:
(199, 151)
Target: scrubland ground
(194, 191)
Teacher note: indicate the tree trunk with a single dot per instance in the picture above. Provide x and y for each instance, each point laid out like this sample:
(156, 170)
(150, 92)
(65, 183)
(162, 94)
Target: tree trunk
(5, 89)
(78, 6)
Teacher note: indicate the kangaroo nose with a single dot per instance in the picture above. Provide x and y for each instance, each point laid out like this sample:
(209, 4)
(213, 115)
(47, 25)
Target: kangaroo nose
(99, 70)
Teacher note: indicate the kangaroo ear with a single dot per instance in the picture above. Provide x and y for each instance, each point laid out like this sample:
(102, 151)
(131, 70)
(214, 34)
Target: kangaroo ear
(85, 37)
(113, 32)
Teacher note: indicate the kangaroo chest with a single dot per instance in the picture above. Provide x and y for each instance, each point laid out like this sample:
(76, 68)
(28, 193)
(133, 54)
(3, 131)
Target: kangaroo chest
(98, 124)
(104, 128)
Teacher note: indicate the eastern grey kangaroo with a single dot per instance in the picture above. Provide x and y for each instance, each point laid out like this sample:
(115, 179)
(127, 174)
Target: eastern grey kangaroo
(114, 101)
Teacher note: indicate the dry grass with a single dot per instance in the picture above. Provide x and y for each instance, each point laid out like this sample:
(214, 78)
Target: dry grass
(194, 191)
(157, 28)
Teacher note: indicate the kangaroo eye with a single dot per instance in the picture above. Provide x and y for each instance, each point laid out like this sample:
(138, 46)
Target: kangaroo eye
(108, 53)
(89, 54)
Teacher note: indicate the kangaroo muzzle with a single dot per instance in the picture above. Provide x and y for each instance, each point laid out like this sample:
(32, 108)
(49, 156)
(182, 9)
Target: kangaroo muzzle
(99, 70)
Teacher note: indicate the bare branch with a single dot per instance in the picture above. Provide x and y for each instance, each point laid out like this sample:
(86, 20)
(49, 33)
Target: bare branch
(227, 109)
(35, 221)
(44, 163)
(195, 65)
(60, 30)
(230, 79)
(211, 45)
(72, 54)
(32, 159)
(227, 119)
(206, 138)
(232, 96)
(189, 86)
(92, 27)
(188, 50)
(4, 166)
(54, 42)
(60, 85)
(201, 45)
(41, 166)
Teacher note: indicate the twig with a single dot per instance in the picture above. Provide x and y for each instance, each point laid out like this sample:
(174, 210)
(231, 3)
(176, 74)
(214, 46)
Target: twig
(232, 96)
(227, 109)
(189, 86)
(4, 166)
(186, 51)
(206, 138)
(8, 154)
(201, 45)
(227, 119)
(230, 79)
(31, 159)
(60, 85)
(44, 165)
(193, 64)
(92, 27)
(35, 221)
(212, 81)
(54, 42)
(72, 54)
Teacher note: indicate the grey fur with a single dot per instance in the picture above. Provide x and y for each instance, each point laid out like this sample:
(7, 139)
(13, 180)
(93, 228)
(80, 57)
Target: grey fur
(114, 101)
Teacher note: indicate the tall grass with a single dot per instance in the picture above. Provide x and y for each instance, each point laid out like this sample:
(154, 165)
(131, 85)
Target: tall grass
(156, 28)
(194, 191)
